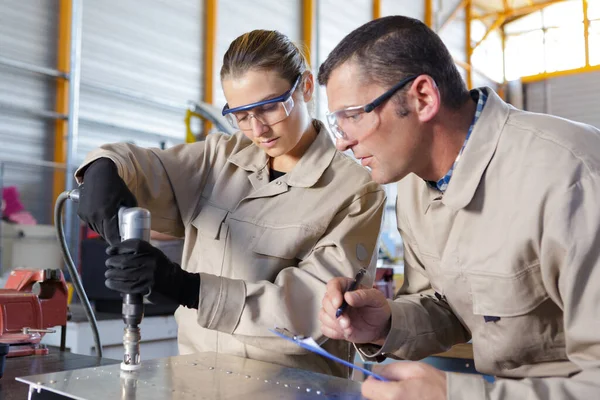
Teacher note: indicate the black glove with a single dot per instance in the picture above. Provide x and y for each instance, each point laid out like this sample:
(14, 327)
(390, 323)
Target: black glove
(135, 266)
(101, 195)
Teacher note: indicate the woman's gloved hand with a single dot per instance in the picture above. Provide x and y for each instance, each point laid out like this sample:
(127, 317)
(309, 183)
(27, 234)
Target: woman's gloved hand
(137, 267)
(101, 195)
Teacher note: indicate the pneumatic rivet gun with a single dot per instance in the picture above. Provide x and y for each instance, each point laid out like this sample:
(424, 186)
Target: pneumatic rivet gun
(134, 223)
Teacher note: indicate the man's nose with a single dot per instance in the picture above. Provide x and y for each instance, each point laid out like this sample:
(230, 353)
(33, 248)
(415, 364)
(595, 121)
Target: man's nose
(343, 144)
(258, 128)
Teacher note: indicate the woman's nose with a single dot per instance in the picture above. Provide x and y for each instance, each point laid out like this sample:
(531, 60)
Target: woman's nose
(258, 128)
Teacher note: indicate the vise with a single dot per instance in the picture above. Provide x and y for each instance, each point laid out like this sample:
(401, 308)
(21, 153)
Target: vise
(31, 302)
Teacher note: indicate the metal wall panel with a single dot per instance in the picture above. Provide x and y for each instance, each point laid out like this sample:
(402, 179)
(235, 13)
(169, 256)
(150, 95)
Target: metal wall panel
(573, 97)
(154, 48)
(236, 17)
(336, 19)
(453, 33)
(28, 32)
(536, 96)
(409, 8)
(515, 95)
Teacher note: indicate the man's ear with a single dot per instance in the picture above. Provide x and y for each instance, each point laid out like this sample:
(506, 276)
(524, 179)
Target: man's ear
(426, 98)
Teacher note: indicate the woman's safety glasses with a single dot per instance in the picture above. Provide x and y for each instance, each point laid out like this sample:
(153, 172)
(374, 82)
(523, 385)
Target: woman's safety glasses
(268, 112)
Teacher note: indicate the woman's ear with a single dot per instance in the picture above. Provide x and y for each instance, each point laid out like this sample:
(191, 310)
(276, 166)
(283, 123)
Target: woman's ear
(308, 86)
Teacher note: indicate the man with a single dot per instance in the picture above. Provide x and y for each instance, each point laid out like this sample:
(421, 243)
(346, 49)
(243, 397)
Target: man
(499, 213)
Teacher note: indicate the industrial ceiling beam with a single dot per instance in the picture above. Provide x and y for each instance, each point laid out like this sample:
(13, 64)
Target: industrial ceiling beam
(485, 7)
(453, 14)
(495, 25)
(519, 11)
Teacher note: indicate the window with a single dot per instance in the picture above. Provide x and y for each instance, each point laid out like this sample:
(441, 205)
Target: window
(563, 13)
(593, 9)
(525, 24)
(564, 48)
(594, 42)
(478, 30)
(552, 39)
(593, 13)
(487, 57)
(524, 54)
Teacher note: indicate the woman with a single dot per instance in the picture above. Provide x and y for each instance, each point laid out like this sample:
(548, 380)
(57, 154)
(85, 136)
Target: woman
(269, 214)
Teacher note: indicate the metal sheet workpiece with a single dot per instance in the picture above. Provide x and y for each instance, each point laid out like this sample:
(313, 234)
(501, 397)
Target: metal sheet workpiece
(194, 376)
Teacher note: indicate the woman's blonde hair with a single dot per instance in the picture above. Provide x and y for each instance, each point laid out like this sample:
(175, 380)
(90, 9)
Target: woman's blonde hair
(264, 50)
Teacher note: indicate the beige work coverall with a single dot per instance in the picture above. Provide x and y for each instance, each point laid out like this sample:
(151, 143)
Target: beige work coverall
(509, 256)
(264, 250)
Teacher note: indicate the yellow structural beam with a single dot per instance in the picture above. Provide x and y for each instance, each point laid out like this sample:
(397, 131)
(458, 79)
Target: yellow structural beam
(62, 96)
(308, 13)
(210, 44)
(377, 9)
(453, 14)
(556, 74)
(586, 32)
(462, 64)
(495, 25)
(429, 13)
(518, 11)
(503, 38)
(468, 48)
(503, 87)
(486, 8)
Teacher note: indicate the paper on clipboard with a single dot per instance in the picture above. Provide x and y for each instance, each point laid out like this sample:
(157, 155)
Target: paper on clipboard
(309, 343)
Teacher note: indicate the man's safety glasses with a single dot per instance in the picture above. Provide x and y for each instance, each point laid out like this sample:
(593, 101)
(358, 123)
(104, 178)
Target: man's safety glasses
(351, 120)
(268, 112)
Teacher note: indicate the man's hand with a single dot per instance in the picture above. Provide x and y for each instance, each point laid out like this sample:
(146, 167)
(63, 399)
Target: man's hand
(101, 195)
(411, 381)
(135, 266)
(367, 320)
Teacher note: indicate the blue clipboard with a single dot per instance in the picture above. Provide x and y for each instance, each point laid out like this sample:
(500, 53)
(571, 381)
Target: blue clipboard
(309, 343)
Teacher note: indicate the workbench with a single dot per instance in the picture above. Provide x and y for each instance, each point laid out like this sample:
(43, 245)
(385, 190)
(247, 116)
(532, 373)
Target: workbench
(191, 377)
(159, 335)
(56, 361)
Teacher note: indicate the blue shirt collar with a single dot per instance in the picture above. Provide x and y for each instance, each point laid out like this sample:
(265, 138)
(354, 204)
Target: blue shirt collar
(442, 184)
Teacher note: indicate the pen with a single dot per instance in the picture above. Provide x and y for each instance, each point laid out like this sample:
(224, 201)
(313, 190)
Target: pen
(353, 286)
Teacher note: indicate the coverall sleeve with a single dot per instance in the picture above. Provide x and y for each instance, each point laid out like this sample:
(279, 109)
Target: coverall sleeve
(166, 182)
(422, 323)
(293, 299)
(570, 262)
